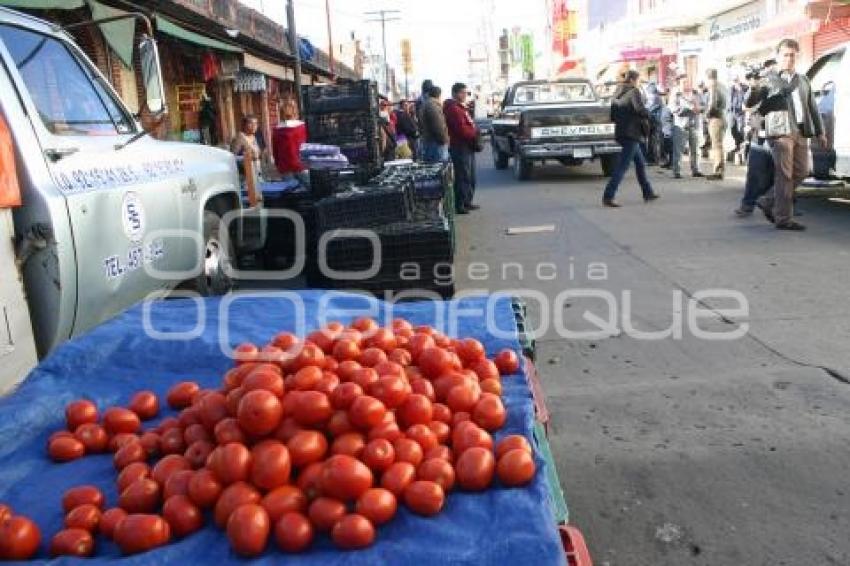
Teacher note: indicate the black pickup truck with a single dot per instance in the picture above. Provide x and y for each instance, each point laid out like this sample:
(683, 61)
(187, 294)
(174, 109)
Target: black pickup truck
(561, 120)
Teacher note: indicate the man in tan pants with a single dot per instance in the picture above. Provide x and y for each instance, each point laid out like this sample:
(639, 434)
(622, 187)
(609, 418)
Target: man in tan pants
(716, 113)
(789, 92)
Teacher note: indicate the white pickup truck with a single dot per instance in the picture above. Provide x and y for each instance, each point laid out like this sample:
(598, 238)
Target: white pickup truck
(108, 214)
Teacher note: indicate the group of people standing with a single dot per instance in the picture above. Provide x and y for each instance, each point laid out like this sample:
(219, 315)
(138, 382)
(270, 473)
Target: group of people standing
(784, 116)
(432, 130)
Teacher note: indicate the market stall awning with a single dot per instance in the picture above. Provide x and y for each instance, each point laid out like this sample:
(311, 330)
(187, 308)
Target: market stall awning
(267, 67)
(168, 27)
(119, 35)
(43, 4)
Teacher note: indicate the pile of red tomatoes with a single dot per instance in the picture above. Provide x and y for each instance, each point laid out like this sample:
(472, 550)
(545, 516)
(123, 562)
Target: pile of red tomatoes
(328, 434)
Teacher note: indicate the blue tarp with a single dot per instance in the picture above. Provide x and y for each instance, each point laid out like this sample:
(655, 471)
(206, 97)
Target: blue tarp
(499, 526)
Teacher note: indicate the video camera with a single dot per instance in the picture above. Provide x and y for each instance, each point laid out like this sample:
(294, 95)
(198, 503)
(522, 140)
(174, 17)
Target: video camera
(758, 71)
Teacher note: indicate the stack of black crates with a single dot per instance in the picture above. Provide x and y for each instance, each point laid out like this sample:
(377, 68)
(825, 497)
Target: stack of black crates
(346, 115)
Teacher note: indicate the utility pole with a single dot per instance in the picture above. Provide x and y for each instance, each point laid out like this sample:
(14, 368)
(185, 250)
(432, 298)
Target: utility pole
(381, 16)
(295, 45)
(330, 37)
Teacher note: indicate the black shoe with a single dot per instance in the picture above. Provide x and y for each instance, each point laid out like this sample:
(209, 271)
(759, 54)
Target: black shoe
(715, 177)
(743, 212)
(470, 207)
(697, 174)
(611, 203)
(791, 225)
(652, 197)
(461, 211)
(677, 175)
(767, 213)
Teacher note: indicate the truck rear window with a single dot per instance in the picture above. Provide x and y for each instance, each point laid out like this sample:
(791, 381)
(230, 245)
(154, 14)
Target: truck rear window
(68, 96)
(554, 93)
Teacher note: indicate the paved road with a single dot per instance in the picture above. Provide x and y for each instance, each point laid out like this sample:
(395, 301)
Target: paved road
(685, 451)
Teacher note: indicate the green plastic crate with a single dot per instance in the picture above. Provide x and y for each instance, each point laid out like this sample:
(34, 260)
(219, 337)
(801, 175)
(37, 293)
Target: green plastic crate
(557, 501)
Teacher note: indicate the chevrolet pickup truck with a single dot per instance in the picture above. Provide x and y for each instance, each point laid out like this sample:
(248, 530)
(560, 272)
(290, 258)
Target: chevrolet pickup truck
(560, 120)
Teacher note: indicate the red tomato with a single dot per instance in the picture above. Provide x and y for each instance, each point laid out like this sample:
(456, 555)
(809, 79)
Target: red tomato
(400, 356)
(353, 531)
(177, 484)
(284, 499)
(365, 324)
(434, 362)
(463, 397)
(85, 516)
(424, 497)
(168, 466)
(182, 515)
(5, 512)
(309, 355)
(512, 442)
(370, 357)
(285, 340)
(366, 412)
(339, 424)
(398, 477)
(141, 496)
(119, 419)
(109, 520)
(344, 395)
(347, 369)
(441, 430)
(259, 412)
(227, 431)
(248, 530)
(407, 450)
(212, 409)
(389, 431)
(307, 447)
(383, 339)
(323, 338)
(140, 533)
(231, 498)
(245, 353)
(401, 325)
(507, 361)
(377, 504)
(441, 452)
(345, 477)
(72, 542)
(204, 489)
(311, 408)
(423, 436)
(460, 417)
(19, 538)
(353, 335)
(324, 513)
(516, 467)
(489, 412)
(65, 449)
(466, 436)
(93, 436)
(230, 463)
(390, 368)
(350, 444)
(293, 532)
(485, 369)
(232, 400)
(270, 465)
(330, 364)
(181, 394)
(306, 378)
(328, 383)
(152, 443)
(491, 385)
(423, 387)
(129, 453)
(267, 378)
(364, 377)
(438, 471)
(417, 344)
(198, 453)
(391, 390)
(470, 351)
(79, 413)
(447, 381)
(442, 413)
(145, 404)
(171, 441)
(131, 473)
(309, 479)
(474, 469)
(166, 424)
(192, 414)
(378, 455)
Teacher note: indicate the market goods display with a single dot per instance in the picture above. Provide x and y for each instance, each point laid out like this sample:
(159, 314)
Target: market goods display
(326, 435)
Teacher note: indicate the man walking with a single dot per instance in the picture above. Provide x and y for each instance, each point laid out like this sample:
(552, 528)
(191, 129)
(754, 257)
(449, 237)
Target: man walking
(631, 127)
(737, 95)
(432, 128)
(462, 134)
(716, 113)
(791, 118)
(685, 109)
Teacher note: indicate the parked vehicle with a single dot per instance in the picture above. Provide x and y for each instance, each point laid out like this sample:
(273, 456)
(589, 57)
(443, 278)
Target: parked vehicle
(830, 78)
(109, 214)
(562, 120)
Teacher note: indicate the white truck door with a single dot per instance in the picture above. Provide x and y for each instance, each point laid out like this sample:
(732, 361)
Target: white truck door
(116, 198)
(832, 92)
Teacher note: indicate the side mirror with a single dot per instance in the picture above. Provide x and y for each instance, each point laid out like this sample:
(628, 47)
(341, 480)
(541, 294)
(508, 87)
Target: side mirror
(152, 76)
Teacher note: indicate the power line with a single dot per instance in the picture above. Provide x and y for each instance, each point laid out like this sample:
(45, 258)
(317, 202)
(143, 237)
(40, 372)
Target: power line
(381, 16)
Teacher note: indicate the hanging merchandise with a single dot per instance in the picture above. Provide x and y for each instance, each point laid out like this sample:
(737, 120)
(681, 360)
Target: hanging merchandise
(209, 65)
(250, 81)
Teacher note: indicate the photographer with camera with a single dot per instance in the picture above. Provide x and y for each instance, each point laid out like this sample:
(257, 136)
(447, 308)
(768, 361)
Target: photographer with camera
(759, 159)
(791, 117)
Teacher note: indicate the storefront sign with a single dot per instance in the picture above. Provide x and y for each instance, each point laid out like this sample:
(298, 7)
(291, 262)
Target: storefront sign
(718, 30)
(250, 81)
(641, 53)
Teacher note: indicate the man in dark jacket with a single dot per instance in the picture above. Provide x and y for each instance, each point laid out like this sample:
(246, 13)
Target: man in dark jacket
(631, 120)
(408, 126)
(462, 134)
(432, 128)
(787, 97)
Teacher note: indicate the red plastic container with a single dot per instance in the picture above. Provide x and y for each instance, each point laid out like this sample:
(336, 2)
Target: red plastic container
(574, 546)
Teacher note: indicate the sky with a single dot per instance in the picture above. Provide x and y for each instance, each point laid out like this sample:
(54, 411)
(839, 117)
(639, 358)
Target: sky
(441, 31)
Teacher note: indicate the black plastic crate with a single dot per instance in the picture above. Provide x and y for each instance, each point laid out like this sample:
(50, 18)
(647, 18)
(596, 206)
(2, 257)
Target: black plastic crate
(402, 241)
(379, 285)
(424, 210)
(363, 208)
(358, 95)
(336, 127)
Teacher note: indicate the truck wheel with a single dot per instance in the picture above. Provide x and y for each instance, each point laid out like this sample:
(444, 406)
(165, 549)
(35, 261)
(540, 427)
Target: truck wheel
(213, 279)
(608, 163)
(500, 159)
(522, 168)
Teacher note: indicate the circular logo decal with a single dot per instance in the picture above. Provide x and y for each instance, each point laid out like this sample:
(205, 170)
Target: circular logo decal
(133, 216)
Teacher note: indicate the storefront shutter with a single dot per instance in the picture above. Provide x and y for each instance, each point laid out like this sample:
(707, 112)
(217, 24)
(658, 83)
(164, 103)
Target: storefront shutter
(832, 35)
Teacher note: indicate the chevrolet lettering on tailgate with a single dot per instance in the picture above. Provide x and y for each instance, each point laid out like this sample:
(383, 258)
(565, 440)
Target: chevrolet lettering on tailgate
(572, 131)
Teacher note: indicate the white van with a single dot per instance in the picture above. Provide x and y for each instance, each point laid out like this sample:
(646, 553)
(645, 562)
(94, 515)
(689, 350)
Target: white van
(830, 78)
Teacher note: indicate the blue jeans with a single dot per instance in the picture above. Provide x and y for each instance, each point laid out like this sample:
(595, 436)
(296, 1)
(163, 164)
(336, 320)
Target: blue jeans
(631, 153)
(760, 171)
(434, 152)
(463, 159)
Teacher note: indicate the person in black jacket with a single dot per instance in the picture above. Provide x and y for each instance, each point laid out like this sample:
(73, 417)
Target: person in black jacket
(408, 126)
(631, 120)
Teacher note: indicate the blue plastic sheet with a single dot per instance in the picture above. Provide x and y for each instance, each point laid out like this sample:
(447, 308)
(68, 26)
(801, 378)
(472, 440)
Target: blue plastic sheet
(499, 526)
